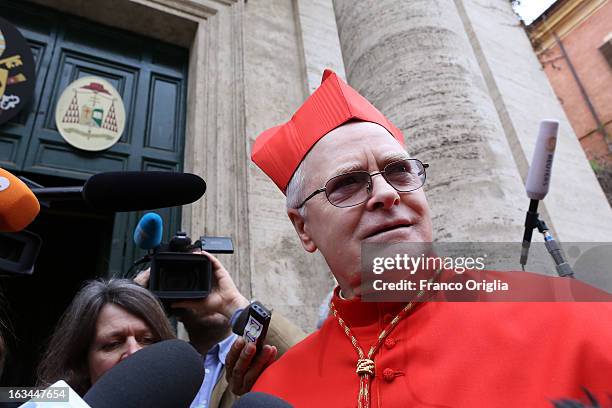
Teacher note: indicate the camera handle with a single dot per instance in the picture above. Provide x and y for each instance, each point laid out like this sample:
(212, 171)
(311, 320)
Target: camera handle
(130, 273)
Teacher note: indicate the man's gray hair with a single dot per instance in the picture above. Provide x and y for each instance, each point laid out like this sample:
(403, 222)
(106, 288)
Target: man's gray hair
(295, 190)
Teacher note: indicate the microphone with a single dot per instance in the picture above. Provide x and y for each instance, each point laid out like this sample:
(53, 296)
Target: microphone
(167, 374)
(538, 179)
(131, 190)
(18, 205)
(148, 232)
(62, 393)
(260, 400)
(18, 252)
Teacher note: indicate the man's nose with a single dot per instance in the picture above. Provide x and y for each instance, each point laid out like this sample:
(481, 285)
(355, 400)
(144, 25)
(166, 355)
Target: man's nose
(382, 194)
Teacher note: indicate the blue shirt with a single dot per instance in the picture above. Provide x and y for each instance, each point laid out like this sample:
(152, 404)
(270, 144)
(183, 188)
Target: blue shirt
(213, 365)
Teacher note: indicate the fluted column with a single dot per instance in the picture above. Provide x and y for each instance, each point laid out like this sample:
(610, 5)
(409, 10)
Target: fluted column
(413, 60)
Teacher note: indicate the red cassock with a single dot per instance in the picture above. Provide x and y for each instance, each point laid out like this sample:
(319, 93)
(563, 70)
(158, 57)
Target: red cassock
(504, 354)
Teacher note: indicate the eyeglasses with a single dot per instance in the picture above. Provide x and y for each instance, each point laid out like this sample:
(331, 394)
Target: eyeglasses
(354, 188)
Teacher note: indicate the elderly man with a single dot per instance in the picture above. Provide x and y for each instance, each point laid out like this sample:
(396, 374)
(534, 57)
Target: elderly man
(349, 182)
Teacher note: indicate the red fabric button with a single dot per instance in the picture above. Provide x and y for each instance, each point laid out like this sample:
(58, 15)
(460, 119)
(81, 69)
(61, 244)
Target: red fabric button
(389, 343)
(387, 318)
(388, 375)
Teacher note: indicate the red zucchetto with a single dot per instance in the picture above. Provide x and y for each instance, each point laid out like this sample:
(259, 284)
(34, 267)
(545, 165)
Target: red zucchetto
(280, 150)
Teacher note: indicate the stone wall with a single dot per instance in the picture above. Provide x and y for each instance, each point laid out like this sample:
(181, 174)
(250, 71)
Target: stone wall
(284, 59)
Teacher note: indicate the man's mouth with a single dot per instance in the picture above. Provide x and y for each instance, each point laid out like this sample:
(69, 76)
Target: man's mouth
(389, 228)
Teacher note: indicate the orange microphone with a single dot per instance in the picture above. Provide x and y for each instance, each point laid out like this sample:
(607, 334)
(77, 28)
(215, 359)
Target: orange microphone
(18, 204)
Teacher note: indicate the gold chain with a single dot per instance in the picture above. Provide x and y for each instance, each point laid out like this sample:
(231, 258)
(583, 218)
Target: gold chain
(365, 365)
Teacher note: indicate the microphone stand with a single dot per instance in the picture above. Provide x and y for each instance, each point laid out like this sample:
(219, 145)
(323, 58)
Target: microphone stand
(563, 268)
(533, 221)
(59, 193)
(47, 194)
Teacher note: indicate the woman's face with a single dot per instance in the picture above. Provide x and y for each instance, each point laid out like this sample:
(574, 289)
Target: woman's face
(118, 335)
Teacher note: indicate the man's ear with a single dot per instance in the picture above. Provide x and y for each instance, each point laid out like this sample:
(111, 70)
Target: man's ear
(298, 223)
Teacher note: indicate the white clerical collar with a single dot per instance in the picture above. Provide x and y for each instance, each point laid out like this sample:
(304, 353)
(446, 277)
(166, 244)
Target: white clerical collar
(340, 295)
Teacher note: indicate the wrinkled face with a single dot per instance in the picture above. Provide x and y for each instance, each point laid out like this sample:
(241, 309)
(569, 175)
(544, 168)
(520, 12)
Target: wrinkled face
(386, 217)
(119, 334)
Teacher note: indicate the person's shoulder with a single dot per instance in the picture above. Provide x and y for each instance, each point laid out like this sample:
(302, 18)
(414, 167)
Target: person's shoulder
(532, 299)
(537, 300)
(581, 313)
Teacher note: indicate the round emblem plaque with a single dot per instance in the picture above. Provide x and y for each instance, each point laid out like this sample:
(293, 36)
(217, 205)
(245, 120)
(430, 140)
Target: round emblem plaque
(90, 114)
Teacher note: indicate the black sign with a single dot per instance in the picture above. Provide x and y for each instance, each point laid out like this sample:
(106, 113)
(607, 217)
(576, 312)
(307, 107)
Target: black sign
(16, 71)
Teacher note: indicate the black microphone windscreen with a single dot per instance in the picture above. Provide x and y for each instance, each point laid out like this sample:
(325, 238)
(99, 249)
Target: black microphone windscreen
(260, 400)
(142, 190)
(165, 374)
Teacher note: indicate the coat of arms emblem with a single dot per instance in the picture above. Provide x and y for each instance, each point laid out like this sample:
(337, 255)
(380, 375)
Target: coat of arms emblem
(16, 71)
(90, 114)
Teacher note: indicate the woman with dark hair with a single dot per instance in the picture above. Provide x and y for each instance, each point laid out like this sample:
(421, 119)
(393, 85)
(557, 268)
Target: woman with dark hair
(106, 322)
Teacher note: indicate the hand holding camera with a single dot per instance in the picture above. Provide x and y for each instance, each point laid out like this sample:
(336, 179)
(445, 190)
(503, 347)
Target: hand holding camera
(224, 297)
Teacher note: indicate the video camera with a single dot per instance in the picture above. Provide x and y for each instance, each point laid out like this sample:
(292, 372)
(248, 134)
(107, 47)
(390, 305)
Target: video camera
(177, 273)
(18, 252)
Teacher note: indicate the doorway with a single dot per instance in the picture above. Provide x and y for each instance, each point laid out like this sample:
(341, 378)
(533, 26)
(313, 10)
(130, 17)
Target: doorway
(76, 248)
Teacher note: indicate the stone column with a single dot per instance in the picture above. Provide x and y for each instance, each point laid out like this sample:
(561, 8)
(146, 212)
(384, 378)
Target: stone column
(413, 60)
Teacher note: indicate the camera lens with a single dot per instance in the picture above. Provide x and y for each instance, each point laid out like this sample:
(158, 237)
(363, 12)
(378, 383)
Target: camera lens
(179, 276)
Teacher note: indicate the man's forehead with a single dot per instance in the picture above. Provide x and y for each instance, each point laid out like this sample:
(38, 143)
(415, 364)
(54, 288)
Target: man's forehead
(353, 136)
(345, 166)
(346, 149)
